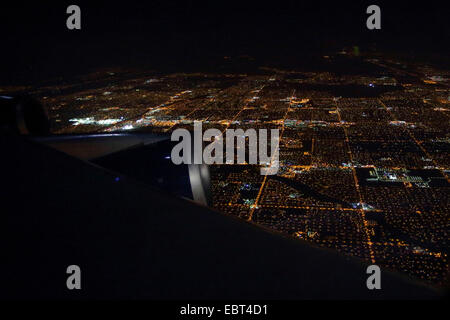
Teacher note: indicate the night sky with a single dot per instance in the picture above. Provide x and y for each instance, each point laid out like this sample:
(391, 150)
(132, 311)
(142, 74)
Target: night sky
(166, 33)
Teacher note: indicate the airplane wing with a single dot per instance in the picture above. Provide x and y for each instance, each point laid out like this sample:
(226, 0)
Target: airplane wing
(133, 240)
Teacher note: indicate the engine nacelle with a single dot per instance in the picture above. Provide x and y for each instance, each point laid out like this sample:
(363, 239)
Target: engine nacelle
(23, 115)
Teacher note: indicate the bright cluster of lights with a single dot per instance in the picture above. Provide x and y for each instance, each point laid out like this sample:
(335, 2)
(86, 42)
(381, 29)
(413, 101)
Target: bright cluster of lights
(91, 120)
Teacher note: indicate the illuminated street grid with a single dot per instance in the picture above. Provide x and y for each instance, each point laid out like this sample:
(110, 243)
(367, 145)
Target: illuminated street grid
(364, 158)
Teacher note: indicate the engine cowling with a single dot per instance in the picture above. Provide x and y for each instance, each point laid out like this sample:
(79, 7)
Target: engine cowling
(23, 115)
